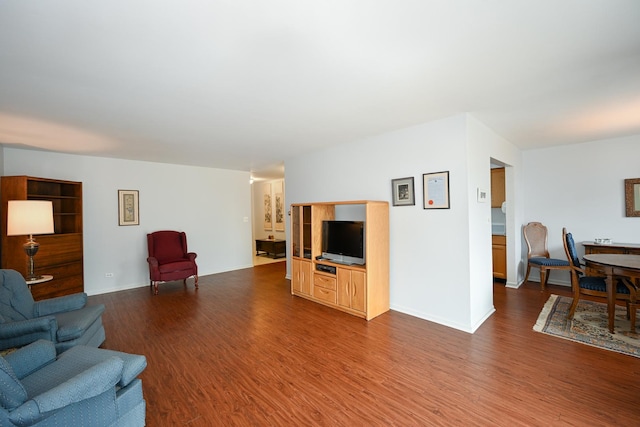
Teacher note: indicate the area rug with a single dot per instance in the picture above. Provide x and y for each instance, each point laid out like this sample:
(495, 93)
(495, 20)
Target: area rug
(589, 325)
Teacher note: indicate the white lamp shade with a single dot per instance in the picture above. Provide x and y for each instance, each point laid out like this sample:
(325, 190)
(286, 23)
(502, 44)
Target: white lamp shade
(26, 217)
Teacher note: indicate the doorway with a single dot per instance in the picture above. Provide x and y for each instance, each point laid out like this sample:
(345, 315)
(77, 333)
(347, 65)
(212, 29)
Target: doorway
(498, 220)
(269, 216)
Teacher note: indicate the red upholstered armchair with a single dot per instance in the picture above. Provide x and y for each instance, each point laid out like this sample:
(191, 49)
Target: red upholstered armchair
(168, 258)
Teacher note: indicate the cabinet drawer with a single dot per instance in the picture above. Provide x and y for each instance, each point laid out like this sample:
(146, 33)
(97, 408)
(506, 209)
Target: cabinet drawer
(498, 240)
(324, 282)
(323, 294)
(59, 249)
(57, 287)
(61, 271)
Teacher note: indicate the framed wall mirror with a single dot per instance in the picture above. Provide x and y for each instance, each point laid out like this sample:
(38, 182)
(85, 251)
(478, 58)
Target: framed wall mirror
(632, 196)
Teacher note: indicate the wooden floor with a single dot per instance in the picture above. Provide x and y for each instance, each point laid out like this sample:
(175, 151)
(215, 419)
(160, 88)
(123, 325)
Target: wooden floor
(241, 351)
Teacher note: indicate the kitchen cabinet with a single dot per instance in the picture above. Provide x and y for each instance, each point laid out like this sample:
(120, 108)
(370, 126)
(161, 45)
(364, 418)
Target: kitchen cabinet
(499, 253)
(497, 187)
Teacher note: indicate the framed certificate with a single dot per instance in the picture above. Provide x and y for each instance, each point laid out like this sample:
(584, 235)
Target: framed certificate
(436, 190)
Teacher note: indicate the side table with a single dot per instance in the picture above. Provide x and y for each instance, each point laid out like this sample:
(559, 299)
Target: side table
(274, 248)
(41, 279)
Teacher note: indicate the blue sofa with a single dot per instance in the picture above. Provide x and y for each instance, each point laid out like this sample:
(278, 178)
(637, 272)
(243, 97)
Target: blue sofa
(84, 386)
(66, 321)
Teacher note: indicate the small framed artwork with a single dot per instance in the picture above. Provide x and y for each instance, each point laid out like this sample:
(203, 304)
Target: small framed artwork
(403, 192)
(268, 219)
(279, 212)
(632, 196)
(436, 190)
(128, 207)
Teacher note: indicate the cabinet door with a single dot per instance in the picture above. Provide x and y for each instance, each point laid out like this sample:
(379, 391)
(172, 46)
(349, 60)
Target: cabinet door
(296, 285)
(352, 289)
(301, 231)
(344, 287)
(499, 261)
(305, 273)
(301, 277)
(296, 247)
(358, 290)
(306, 232)
(497, 187)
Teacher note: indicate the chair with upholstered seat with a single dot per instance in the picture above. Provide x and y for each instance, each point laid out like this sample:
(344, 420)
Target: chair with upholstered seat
(66, 321)
(595, 286)
(84, 386)
(535, 235)
(169, 258)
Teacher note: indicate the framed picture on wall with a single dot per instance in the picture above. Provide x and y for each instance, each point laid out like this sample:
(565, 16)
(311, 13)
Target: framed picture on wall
(436, 190)
(128, 207)
(268, 219)
(402, 191)
(632, 196)
(279, 212)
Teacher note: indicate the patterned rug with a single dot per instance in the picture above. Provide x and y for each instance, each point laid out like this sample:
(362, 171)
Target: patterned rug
(589, 325)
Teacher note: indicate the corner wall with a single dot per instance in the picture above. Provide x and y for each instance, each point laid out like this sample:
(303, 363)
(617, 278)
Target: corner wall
(435, 273)
(213, 206)
(483, 145)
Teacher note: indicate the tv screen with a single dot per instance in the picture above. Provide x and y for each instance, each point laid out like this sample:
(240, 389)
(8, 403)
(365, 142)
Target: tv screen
(343, 241)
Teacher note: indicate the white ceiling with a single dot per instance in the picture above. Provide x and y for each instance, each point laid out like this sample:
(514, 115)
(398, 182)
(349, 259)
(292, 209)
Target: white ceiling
(246, 84)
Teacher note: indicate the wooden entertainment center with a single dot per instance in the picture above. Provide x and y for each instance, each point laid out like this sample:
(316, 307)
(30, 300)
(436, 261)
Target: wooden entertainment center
(360, 290)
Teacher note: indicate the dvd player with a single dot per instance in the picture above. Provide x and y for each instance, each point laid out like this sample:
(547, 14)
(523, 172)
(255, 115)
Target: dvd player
(326, 268)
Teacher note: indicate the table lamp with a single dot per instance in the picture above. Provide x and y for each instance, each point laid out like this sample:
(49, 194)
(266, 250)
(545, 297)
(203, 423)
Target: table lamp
(29, 217)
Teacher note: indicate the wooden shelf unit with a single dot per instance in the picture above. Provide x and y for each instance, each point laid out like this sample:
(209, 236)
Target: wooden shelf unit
(360, 290)
(61, 253)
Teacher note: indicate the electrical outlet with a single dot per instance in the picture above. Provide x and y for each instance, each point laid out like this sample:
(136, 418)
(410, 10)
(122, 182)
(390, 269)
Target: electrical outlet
(108, 274)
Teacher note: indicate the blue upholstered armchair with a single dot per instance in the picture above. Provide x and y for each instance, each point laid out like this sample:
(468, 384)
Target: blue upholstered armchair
(66, 321)
(84, 386)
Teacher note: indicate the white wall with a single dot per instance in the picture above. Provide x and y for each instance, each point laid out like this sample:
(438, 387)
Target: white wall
(483, 146)
(433, 274)
(210, 205)
(259, 188)
(581, 187)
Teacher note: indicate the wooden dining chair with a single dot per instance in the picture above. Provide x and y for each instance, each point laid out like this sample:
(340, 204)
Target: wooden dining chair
(535, 235)
(596, 286)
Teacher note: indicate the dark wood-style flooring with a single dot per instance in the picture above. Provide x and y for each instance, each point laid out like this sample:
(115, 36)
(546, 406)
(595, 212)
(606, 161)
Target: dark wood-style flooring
(241, 351)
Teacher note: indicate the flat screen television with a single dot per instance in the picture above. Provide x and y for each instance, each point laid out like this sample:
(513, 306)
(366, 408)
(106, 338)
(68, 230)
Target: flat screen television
(343, 242)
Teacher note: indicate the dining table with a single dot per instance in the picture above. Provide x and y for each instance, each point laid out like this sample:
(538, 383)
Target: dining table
(623, 266)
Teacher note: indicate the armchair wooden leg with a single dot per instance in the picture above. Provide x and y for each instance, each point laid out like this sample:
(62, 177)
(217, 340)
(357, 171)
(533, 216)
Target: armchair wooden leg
(196, 281)
(155, 288)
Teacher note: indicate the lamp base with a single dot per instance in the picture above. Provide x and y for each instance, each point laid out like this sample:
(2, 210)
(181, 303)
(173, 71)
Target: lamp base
(31, 248)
